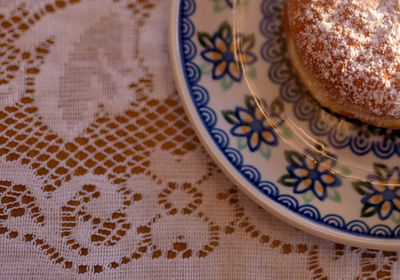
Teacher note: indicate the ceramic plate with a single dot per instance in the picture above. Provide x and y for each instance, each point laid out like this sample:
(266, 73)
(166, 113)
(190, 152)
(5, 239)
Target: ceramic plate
(329, 176)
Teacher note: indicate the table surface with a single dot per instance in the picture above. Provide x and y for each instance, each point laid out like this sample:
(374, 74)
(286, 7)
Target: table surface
(101, 175)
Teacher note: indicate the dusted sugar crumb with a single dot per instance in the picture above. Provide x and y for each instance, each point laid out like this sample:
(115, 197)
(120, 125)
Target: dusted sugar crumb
(353, 47)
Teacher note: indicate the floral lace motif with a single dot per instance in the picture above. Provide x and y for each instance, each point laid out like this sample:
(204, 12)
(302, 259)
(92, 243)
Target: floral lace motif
(102, 201)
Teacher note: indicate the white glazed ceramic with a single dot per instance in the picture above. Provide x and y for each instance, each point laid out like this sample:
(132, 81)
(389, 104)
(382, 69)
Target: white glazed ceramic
(329, 176)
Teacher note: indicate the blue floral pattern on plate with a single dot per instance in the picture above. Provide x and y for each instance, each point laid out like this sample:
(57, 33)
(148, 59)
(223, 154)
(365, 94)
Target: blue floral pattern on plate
(220, 50)
(251, 122)
(381, 192)
(313, 172)
(321, 180)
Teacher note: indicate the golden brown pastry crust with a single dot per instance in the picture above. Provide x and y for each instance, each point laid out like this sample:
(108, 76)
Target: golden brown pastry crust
(316, 54)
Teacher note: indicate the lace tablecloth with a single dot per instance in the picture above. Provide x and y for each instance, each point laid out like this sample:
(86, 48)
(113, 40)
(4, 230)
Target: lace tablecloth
(102, 176)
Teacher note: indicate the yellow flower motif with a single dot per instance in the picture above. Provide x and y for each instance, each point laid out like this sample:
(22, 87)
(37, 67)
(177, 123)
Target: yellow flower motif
(385, 194)
(223, 52)
(256, 127)
(314, 174)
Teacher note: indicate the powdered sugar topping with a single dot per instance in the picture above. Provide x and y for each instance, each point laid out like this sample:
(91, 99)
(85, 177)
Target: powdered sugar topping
(354, 47)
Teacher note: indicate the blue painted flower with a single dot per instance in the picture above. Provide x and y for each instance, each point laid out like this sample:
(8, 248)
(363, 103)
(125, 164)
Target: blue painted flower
(220, 51)
(312, 172)
(256, 127)
(384, 193)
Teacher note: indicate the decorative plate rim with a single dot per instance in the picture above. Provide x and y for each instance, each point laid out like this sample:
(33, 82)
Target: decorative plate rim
(295, 219)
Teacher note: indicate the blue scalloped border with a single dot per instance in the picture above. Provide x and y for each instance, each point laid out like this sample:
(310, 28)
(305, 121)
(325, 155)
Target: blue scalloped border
(208, 116)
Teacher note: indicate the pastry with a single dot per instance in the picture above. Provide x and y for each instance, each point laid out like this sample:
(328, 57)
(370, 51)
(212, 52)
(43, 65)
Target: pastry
(347, 54)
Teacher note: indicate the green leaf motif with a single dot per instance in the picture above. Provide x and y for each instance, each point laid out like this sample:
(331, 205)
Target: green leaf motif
(226, 83)
(362, 187)
(225, 30)
(368, 211)
(230, 117)
(242, 143)
(252, 73)
(265, 151)
(293, 158)
(308, 197)
(381, 170)
(244, 3)
(286, 132)
(250, 103)
(277, 106)
(206, 68)
(395, 217)
(321, 147)
(334, 195)
(205, 39)
(343, 171)
(248, 42)
(218, 7)
(288, 180)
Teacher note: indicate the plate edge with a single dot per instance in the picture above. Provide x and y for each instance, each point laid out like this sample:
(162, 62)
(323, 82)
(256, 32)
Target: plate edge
(277, 210)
